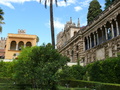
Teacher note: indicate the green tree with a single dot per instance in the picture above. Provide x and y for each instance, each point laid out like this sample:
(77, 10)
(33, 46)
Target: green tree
(93, 10)
(1, 18)
(51, 19)
(38, 66)
(108, 3)
(37, 39)
(74, 72)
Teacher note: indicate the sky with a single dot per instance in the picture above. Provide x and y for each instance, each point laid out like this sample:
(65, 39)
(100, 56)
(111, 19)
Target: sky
(31, 15)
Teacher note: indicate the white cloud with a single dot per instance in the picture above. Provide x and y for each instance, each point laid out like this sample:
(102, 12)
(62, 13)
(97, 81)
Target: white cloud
(69, 2)
(85, 3)
(8, 2)
(77, 8)
(60, 3)
(58, 25)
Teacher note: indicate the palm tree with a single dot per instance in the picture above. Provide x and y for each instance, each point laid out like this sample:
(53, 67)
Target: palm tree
(51, 19)
(1, 18)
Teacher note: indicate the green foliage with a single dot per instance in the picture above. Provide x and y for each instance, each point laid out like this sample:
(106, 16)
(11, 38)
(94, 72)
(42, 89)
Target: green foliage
(38, 66)
(108, 3)
(93, 10)
(6, 69)
(1, 18)
(90, 84)
(105, 71)
(73, 72)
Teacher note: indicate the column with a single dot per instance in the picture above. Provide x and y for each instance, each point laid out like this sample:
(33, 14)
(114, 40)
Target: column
(24, 45)
(102, 35)
(97, 38)
(90, 42)
(87, 43)
(117, 27)
(84, 46)
(106, 34)
(94, 39)
(16, 46)
(112, 29)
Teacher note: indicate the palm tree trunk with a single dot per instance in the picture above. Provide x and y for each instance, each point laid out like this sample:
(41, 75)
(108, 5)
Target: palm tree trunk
(52, 23)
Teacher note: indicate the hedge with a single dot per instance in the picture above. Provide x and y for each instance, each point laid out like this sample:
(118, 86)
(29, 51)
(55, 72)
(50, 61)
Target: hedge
(90, 84)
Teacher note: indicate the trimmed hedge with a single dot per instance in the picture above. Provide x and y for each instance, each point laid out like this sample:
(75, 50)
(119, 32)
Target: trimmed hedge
(107, 71)
(90, 84)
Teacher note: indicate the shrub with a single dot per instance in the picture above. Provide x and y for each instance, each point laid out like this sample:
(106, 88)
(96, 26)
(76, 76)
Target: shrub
(105, 71)
(38, 65)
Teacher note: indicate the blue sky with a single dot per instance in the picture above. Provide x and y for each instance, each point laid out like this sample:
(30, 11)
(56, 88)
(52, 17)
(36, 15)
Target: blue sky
(34, 18)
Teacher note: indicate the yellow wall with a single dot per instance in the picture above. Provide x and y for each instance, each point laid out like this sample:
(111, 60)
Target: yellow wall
(17, 38)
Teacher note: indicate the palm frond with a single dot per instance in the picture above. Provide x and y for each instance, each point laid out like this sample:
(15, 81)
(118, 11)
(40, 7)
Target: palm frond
(45, 3)
(56, 2)
(0, 29)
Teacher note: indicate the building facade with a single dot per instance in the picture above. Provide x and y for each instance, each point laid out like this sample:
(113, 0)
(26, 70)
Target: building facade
(15, 42)
(2, 47)
(96, 41)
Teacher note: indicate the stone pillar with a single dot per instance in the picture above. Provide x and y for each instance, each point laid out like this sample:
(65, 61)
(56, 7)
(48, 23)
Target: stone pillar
(90, 42)
(16, 46)
(94, 39)
(112, 29)
(84, 46)
(106, 34)
(24, 45)
(102, 35)
(87, 42)
(117, 27)
(97, 38)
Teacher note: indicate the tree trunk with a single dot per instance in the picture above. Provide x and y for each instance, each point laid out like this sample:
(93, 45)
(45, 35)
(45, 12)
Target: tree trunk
(52, 23)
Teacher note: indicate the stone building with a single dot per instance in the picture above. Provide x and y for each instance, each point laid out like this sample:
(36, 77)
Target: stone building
(2, 42)
(96, 41)
(2, 47)
(15, 42)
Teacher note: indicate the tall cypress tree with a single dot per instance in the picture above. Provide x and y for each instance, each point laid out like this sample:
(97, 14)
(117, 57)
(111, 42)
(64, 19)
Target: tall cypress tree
(93, 10)
(108, 3)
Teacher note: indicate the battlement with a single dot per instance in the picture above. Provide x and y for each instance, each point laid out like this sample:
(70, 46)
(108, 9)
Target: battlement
(2, 39)
(21, 31)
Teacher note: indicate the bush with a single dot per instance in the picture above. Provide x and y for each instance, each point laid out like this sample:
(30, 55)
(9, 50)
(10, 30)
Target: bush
(105, 71)
(74, 72)
(38, 65)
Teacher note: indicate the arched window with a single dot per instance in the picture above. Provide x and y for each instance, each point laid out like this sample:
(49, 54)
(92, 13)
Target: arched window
(13, 45)
(20, 44)
(75, 32)
(28, 44)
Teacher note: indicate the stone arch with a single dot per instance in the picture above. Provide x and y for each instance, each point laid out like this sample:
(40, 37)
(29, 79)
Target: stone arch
(109, 31)
(92, 40)
(86, 43)
(100, 35)
(28, 44)
(13, 45)
(75, 32)
(20, 44)
(104, 34)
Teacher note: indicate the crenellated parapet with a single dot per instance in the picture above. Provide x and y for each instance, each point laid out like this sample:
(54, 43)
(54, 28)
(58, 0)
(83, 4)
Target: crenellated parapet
(2, 42)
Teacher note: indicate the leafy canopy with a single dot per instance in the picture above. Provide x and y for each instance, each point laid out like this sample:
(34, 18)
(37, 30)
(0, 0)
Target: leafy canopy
(93, 11)
(38, 66)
